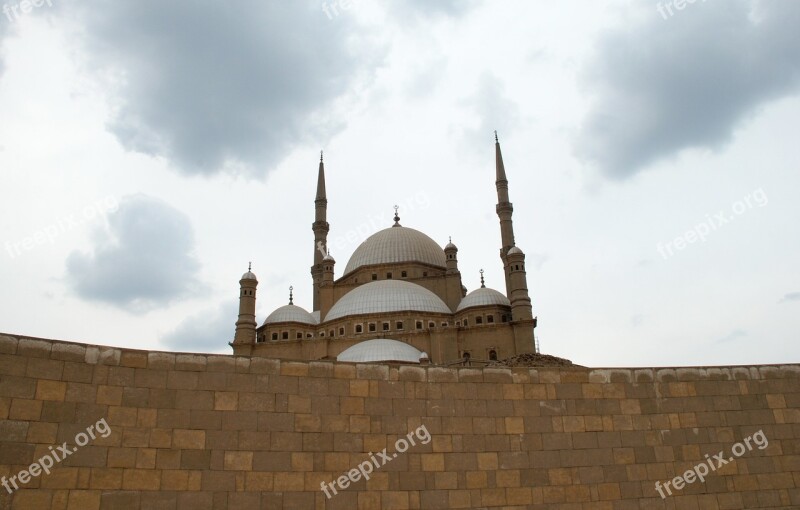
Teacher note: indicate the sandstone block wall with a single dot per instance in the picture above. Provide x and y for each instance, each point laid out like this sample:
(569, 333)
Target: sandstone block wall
(190, 432)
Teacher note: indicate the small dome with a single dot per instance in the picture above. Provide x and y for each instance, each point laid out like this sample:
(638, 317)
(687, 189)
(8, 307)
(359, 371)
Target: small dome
(450, 246)
(328, 258)
(385, 296)
(395, 245)
(291, 313)
(483, 297)
(380, 349)
(249, 276)
(515, 250)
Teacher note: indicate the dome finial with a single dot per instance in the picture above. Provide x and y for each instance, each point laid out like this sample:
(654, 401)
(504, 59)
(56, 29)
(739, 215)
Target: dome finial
(249, 266)
(396, 217)
(291, 295)
(450, 239)
(483, 285)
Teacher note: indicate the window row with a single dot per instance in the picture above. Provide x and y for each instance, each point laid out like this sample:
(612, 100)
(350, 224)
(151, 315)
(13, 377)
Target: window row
(390, 275)
(479, 319)
(372, 327)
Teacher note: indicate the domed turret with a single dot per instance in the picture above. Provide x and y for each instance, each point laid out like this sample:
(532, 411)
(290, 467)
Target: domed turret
(451, 253)
(246, 324)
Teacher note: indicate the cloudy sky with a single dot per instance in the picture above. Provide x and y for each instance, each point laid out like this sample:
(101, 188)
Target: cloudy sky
(150, 150)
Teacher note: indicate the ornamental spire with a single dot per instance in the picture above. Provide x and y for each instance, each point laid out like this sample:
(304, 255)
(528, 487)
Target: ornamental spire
(483, 285)
(291, 295)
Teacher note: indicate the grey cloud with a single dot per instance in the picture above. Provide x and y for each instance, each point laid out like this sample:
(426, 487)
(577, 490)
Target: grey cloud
(220, 86)
(792, 296)
(142, 260)
(687, 81)
(208, 331)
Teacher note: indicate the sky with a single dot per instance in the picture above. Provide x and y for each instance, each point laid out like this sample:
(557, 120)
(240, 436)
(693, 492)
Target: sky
(150, 150)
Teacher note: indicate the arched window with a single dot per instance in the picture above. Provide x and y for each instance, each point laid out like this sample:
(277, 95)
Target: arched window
(490, 319)
(359, 328)
(285, 335)
(493, 355)
(299, 335)
(479, 320)
(341, 331)
(275, 336)
(419, 324)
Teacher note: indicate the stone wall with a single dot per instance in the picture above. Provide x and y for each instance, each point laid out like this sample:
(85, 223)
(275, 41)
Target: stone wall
(190, 432)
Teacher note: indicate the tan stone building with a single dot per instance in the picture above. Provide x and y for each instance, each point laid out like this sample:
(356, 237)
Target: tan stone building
(399, 298)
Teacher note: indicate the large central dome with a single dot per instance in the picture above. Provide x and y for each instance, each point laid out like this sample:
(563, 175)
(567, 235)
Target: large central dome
(386, 296)
(396, 245)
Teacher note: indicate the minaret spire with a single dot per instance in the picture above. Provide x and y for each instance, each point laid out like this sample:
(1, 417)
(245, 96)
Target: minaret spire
(320, 228)
(504, 209)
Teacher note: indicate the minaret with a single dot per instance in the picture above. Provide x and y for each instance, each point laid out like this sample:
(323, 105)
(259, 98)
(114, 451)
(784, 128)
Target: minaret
(451, 255)
(246, 325)
(504, 211)
(320, 228)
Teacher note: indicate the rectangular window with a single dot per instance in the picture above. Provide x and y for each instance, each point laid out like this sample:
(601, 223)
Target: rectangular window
(374, 276)
(388, 276)
(359, 328)
(419, 324)
(285, 335)
(341, 331)
(479, 320)
(398, 325)
(299, 335)
(386, 326)
(490, 319)
(404, 274)
(372, 327)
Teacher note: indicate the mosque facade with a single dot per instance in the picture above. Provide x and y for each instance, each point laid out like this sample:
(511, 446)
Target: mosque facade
(400, 298)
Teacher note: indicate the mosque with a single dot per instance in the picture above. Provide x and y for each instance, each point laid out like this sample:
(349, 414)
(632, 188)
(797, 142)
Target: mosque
(398, 299)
